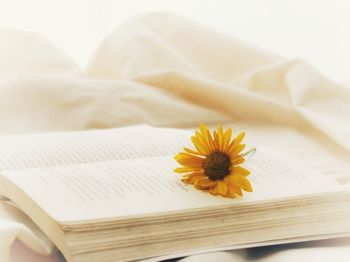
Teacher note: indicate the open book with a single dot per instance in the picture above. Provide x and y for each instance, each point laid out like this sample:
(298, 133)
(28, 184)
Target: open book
(112, 195)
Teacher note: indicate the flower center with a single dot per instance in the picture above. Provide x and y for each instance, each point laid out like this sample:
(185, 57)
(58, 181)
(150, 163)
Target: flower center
(217, 165)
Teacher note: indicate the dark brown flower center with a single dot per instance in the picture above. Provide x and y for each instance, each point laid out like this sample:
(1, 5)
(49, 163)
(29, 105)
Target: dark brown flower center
(217, 165)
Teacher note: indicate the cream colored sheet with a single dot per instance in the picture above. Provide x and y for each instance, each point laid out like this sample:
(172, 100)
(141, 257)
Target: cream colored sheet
(165, 70)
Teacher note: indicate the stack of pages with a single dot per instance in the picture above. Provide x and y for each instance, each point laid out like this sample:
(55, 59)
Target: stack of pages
(112, 195)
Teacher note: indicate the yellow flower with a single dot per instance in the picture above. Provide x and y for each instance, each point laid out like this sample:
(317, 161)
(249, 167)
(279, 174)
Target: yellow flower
(214, 167)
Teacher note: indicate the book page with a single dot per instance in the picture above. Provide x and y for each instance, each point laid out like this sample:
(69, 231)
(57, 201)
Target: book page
(57, 149)
(140, 186)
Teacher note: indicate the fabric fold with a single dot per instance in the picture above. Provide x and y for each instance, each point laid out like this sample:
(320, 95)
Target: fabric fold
(27, 53)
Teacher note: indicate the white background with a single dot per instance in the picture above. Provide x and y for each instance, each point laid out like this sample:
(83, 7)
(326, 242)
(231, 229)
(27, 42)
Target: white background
(318, 31)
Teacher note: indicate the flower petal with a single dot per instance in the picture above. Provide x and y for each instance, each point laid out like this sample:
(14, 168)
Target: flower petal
(226, 140)
(200, 146)
(236, 150)
(216, 141)
(203, 136)
(188, 160)
(214, 191)
(193, 177)
(239, 138)
(234, 191)
(185, 169)
(235, 142)
(221, 188)
(220, 138)
(205, 183)
(237, 160)
(190, 151)
(240, 171)
(231, 192)
(206, 134)
(240, 181)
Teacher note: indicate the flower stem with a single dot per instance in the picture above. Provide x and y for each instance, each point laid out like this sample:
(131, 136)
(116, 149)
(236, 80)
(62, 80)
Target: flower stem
(253, 149)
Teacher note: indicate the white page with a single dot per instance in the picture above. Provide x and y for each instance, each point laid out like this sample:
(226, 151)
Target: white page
(56, 149)
(140, 186)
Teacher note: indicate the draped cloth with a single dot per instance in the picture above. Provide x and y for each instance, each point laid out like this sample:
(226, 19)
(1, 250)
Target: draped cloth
(164, 70)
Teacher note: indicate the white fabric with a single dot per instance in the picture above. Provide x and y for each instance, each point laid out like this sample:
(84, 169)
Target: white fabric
(164, 70)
